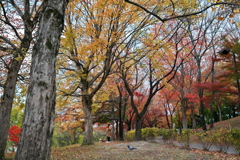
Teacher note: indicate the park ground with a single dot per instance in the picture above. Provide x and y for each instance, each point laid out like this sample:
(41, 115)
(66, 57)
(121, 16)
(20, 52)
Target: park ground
(146, 150)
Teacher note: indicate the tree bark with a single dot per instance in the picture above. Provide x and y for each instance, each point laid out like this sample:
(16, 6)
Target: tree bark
(11, 81)
(88, 120)
(184, 116)
(213, 93)
(194, 123)
(138, 134)
(6, 105)
(183, 100)
(200, 94)
(35, 141)
(219, 113)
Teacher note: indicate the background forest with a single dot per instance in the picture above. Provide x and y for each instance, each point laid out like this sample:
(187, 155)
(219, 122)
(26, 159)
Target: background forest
(166, 64)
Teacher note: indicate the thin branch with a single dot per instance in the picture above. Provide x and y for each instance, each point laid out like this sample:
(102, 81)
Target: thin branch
(179, 16)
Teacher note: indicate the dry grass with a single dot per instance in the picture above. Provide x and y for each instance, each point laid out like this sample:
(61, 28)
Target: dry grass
(145, 151)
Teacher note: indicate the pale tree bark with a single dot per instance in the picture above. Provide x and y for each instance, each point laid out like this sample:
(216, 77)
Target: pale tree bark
(37, 128)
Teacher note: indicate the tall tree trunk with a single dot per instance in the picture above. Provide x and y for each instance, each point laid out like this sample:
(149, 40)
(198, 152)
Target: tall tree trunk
(213, 93)
(138, 133)
(35, 141)
(179, 122)
(87, 109)
(183, 100)
(120, 128)
(200, 95)
(184, 116)
(194, 123)
(166, 115)
(112, 123)
(10, 84)
(6, 105)
(219, 113)
(122, 109)
(117, 129)
(202, 115)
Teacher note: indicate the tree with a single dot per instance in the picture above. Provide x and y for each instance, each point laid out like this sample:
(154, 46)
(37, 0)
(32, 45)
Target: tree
(123, 99)
(92, 44)
(179, 13)
(203, 37)
(232, 46)
(37, 130)
(18, 21)
(145, 75)
(168, 99)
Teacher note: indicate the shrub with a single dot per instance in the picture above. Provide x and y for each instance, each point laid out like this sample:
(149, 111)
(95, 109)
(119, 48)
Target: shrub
(168, 134)
(204, 138)
(149, 133)
(222, 138)
(185, 137)
(235, 133)
(130, 135)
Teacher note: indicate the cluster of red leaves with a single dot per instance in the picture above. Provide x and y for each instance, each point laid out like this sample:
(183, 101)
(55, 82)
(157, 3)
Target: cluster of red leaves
(192, 97)
(14, 134)
(138, 94)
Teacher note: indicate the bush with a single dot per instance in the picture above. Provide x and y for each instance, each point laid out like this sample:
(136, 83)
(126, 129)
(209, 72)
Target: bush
(130, 135)
(235, 133)
(185, 137)
(222, 138)
(204, 138)
(149, 133)
(66, 138)
(168, 134)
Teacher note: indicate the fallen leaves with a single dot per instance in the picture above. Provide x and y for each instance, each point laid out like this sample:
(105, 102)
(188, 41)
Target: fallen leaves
(146, 150)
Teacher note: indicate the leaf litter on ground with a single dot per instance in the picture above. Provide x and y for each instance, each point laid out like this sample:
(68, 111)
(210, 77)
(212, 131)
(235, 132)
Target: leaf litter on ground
(118, 150)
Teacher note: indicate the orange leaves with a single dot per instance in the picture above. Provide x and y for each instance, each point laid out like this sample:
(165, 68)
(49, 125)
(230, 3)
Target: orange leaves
(213, 9)
(220, 18)
(225, 7)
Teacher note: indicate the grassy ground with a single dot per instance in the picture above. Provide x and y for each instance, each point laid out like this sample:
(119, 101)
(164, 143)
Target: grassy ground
(145, 151)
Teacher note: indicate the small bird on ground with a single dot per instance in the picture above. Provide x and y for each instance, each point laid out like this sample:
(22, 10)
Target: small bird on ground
(131, 148)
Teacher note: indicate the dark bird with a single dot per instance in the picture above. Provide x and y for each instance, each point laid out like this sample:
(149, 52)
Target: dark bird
(130, 147)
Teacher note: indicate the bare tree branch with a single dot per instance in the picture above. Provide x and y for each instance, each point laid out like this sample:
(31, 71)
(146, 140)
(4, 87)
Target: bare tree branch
(180, 16)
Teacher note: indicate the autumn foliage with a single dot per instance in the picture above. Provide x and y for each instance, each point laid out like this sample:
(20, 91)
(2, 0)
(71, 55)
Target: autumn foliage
(14, 134)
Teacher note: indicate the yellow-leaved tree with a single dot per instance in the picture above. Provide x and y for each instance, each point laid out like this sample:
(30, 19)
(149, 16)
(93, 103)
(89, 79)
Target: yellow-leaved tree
(96, 34)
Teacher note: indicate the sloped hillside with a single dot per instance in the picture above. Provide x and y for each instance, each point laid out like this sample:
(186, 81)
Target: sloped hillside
(230, 123)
